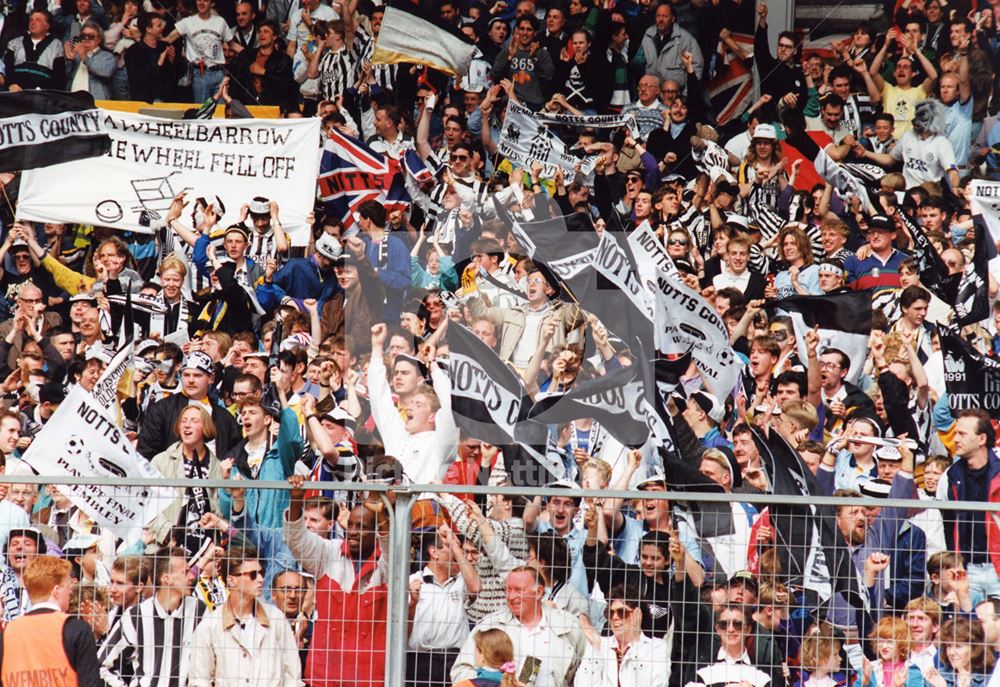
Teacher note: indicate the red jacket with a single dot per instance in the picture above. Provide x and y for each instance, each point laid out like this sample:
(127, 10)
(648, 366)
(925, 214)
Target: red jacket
(348, 640)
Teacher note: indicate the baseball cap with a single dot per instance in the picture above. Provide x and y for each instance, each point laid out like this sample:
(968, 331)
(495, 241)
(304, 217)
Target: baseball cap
(765, 131)
(655, 479)
(421, 366)
(880, 223)
(80, 543)
(710, 404)
(200, 362)
(341, 417)
(744, 577)
(18, 246)
(83, 296)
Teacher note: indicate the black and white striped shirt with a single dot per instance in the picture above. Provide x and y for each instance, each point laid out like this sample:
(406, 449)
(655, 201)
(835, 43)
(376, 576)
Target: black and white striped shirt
(339, 69)
(156, 643)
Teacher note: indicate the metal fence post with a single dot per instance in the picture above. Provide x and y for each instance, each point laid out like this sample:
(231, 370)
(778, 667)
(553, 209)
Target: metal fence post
(399, 578)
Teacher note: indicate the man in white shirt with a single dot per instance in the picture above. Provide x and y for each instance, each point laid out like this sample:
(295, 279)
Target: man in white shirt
(546, 640)
(205, 35)
(425, 442)
(734, 271)
(438, 597)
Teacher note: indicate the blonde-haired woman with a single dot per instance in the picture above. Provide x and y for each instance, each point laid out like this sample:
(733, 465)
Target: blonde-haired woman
(188, 458)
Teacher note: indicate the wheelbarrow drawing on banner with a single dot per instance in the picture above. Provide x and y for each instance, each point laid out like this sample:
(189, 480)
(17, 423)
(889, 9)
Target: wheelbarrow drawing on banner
(154, 195)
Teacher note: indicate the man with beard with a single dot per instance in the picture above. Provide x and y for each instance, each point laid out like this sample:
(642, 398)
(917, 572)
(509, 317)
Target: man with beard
(888, 569)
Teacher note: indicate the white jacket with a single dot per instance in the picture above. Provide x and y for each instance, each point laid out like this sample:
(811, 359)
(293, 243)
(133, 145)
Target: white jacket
(566, 645)
(220, 659)
(646, 664)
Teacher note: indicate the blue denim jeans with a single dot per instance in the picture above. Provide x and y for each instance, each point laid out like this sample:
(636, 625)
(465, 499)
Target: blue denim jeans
(205, 84)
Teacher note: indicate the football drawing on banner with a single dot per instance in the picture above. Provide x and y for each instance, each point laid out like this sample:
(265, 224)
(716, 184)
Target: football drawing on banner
(151, 160)
(525, 141)
(83, 439)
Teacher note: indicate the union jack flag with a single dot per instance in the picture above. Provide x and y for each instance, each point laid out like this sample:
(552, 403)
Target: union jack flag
(731, 88)
(351, 173)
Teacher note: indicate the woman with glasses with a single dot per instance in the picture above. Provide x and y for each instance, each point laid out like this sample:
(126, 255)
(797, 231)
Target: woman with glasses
(91, 67)
(732, 663)
(627, 657)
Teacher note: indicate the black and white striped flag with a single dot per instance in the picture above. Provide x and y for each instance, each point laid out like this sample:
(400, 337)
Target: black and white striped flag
(844, 320)
(43, 128)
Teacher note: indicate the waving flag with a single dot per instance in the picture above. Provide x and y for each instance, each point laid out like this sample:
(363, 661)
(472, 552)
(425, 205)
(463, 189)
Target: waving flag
(844, 320)
(812, 551)
(490, 403)
(409, 37)
(351, 173)
(43, 128)
(972, 300)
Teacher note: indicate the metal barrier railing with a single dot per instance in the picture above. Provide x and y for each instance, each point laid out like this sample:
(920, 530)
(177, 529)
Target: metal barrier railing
(400, 500)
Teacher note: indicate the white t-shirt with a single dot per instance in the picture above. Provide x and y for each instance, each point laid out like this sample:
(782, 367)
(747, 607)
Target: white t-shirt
(297, 29)
(204, 39)
(924, 159)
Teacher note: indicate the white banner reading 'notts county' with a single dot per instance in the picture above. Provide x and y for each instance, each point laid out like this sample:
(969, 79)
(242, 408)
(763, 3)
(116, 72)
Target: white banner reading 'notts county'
(152, 159)
(83, 439)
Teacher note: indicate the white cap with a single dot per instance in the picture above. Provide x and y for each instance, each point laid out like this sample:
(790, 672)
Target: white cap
(81, 542)
(329, 247)
(765, 131)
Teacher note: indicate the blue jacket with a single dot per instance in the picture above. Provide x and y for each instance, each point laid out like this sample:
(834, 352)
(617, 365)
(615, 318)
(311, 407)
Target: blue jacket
(267, 506)
(299, 278)
(394, 275)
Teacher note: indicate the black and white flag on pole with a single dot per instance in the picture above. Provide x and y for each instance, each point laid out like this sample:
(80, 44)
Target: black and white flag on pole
(812, 551)
(971, 379)
(566, 244)
(844, 320)
(614, 400)
(972, 299)
(84, 439)
(106, 388)
(408, 36)
(683, 322)
(43, 128)
(930, 267)
(490, 403)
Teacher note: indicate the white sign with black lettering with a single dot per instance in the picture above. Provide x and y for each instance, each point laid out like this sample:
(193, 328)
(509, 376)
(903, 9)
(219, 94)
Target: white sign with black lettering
(82, 439)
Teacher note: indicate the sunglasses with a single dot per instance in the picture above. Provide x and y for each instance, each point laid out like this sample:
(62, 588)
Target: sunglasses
(677, 242)
(252, 574)
(459, 157)
(619, 612)
(730, 624)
